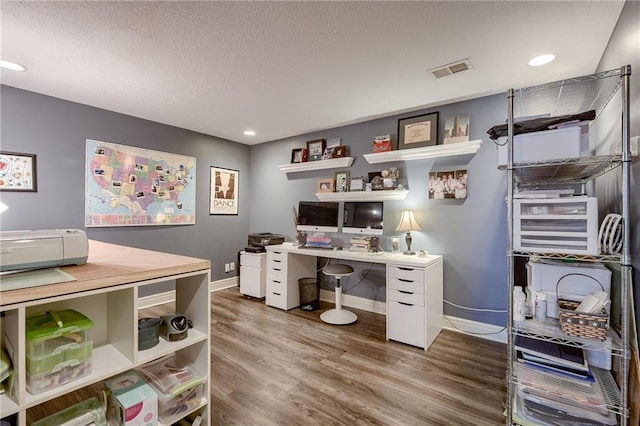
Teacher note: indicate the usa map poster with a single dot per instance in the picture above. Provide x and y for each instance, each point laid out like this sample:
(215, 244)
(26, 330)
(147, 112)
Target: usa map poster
(129, 186)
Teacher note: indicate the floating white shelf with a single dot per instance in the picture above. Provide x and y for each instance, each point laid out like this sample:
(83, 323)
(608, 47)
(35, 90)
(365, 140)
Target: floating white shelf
(449, 150)
(333, 163)
(388, 195)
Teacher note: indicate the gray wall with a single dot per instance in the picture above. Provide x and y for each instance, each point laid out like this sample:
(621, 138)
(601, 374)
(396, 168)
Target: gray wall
(55, 130)
(470, 234)
(624, 49)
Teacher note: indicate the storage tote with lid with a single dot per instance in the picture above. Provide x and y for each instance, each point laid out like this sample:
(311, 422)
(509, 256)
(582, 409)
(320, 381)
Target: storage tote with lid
(58, 349)
(179, 386)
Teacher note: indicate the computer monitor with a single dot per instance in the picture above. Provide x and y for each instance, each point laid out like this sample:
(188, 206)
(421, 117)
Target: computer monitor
(362, 217)
(318, 216)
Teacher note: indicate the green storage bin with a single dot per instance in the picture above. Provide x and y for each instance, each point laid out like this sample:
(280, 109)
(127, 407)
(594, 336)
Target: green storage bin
(86, 412)
(51, 331)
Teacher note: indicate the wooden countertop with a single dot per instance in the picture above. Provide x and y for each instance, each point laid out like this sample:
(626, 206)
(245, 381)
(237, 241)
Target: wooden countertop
(110, 265)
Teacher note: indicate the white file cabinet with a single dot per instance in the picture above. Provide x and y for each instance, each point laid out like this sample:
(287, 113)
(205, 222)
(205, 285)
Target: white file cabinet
(253, 274)
(414, 304)
(283, 272)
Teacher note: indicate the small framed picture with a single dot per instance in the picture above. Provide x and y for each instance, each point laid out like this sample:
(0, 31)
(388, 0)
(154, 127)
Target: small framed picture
(18, 172)
(315, 149)
(418, 131)
(324, 185)
(356, 184)
(333, 142)
(296, 155)
(339, 151)
(342, 180)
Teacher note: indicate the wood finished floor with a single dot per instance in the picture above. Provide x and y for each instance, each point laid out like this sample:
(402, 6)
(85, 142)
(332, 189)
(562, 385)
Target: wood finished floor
(271, 367)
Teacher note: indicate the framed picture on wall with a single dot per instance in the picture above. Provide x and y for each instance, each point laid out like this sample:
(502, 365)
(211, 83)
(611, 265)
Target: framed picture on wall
(224, 191)
(418, 131)
(18, 172)
(315, 149)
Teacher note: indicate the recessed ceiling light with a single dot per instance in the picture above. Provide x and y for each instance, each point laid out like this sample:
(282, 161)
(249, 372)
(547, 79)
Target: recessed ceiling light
(542, 59)
(12, 65)
(249, 132)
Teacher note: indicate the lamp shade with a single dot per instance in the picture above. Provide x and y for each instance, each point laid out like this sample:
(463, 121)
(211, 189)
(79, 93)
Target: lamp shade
(3, 207)
(408, 222)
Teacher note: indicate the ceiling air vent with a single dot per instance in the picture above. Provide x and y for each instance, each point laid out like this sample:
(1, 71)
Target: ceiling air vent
(452, 68)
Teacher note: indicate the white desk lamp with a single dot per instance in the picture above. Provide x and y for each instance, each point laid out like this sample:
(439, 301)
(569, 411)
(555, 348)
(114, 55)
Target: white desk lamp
(408, 223)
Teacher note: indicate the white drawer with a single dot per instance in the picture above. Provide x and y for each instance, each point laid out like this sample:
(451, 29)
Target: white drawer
(277, 300)
(276, 264)
(277, 255)
(405, 285)
(252, 281)
(406, 297)
(253, 260)
(406, 273)
(406, 323)
(275, 274)
(276, 286)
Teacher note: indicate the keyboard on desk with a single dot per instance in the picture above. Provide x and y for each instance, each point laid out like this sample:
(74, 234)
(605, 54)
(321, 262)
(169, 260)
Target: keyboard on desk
(317, 247)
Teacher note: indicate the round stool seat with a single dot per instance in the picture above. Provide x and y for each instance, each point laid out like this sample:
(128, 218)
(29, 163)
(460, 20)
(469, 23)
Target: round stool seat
(337, 270)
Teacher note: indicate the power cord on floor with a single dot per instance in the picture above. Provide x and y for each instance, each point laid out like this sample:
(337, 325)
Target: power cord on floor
(473, 332)
(475, 309)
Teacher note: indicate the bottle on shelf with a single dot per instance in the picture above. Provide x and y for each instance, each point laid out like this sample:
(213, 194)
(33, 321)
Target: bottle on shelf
(541, 306)
(529, 303)
(519, 300)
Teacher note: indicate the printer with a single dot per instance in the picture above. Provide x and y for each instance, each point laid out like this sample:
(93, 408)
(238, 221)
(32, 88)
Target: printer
(42, 249)
(257, 242)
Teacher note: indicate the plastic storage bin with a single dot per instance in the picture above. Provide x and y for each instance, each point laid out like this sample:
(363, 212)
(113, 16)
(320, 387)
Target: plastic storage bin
(86, 412)
(180, 387)
(58, 349)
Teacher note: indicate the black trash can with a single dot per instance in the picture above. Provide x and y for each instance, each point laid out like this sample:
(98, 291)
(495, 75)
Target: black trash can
(309, 294)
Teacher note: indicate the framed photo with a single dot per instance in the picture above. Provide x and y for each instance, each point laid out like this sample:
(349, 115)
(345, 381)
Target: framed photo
(339, 151)
(324, 185)
(333, 142)
(356, 184)
(451, 184)
(456, 129)
(315, 149)
(342, 180)
(376, 181)
(224, 191)
(418, 131)
(328, 153)
(18, 172)
(297, 155)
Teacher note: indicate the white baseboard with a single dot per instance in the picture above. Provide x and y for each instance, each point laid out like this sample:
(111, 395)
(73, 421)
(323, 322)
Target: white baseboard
(355, 302)
(474, 328)
(170, 296)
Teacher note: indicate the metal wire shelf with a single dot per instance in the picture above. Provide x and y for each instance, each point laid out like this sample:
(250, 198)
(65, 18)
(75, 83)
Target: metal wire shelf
(607, 258)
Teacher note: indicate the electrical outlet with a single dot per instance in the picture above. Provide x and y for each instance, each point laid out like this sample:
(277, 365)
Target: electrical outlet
(232, 266)
(226, 267)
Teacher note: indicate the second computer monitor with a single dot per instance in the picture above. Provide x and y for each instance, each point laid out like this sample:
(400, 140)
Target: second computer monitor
(362, 217)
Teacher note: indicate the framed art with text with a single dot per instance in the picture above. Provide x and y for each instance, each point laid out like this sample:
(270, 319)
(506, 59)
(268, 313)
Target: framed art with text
(224, 191)
(418, 131)
(18, 172)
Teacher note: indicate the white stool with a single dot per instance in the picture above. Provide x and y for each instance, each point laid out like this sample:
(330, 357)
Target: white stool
(338, 316)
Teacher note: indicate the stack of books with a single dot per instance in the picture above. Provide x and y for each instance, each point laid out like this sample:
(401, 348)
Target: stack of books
(318, 241)
(359, 244)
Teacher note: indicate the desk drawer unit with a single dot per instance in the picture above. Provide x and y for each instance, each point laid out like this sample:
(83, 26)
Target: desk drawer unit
(283, 272)
(414, 304)
(253, 274)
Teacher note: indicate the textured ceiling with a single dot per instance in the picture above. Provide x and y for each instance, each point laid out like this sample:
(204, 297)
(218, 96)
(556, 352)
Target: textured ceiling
(287, 68)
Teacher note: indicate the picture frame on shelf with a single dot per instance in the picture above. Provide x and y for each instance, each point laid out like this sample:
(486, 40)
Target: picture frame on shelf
(356, 184)
(324, 185)
(342, 180)
(298, 155)
(18, 172)
(376, 181)
(339, 152)
(333, 142)
(328, 153)
(418, 131)
(456, 129)
(315, 149)
(223, 191)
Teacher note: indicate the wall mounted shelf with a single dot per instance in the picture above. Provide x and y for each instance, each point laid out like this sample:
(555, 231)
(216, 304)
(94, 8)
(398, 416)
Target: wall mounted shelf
(437, 151)
(390, 195)
(333, 163)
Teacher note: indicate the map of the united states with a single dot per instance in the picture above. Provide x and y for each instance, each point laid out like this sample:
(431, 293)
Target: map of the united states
(136, 186)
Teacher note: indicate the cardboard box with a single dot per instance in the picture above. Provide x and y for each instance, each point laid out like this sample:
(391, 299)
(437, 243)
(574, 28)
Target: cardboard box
(132, 401)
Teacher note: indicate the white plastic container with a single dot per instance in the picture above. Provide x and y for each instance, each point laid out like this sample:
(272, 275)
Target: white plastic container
(519, 300)
(566, 142)
(541, 306)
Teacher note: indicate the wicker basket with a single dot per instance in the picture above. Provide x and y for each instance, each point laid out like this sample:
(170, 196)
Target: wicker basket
(581, 324)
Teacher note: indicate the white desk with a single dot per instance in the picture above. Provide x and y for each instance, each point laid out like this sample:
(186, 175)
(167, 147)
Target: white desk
(414, 287)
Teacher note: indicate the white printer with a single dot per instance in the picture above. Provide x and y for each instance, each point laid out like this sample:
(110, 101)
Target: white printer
(42, 249)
